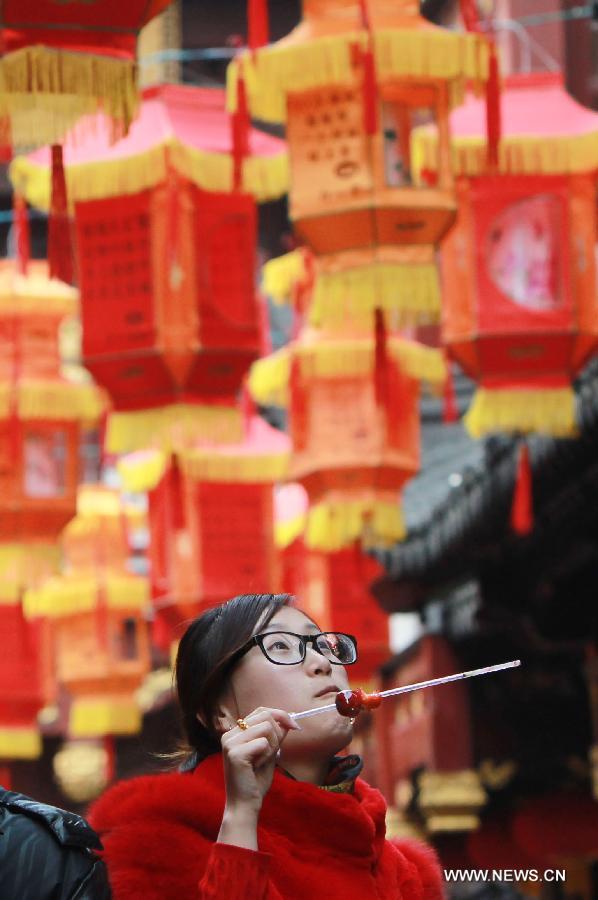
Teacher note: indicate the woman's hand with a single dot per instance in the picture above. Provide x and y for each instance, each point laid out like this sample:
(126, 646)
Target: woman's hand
(249, 757)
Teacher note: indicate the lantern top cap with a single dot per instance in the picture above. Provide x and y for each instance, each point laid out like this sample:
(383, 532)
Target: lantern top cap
(179, 128)
(171, 113)
(532, 104)
(334, 16)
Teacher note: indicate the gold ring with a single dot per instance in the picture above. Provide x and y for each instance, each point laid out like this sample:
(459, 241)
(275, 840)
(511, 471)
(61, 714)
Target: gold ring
(242, 724)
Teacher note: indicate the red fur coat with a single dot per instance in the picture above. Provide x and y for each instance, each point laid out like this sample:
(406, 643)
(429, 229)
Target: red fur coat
(159, 834)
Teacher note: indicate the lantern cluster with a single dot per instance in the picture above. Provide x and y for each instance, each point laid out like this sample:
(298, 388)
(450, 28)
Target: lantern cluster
(352, 85)
(41, 418)
(211, 523)
(519, 273)
(166, 236)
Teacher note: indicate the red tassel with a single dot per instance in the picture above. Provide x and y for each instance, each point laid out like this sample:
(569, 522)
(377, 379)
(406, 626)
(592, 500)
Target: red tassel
(60, 250)
(400, 392)
(522, 513)
(370, 92)
(469, 14)
(298, 406)
(364, 13)
(22, 234)
(450, 410)
(380, 360)
(493, 110)
(258, 26)
(240, 126)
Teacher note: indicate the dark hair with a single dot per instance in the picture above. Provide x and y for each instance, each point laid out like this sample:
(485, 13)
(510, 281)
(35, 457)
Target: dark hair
(203, 664)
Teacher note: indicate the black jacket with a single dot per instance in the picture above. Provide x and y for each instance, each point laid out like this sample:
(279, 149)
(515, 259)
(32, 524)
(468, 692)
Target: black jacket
(47, 853)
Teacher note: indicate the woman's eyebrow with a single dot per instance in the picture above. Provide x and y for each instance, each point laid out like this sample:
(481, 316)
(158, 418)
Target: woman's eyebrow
(279, 625)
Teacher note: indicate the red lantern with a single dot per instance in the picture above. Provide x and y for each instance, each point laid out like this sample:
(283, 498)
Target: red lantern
(27, 678)
(166, 252)
(211, 523)
(40, 411)
(519, 271)
(354, 424)
(63, 60)
(351, 88)
(40, 421)
(332, 588)
(97, 611)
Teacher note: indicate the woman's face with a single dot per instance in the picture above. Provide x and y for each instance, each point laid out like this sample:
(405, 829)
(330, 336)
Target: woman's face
(258, 682)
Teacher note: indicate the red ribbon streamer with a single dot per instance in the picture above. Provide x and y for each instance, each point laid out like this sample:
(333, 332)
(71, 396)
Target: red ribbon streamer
(258, 26)
(60, 249)
(22, 233)
(240, 125)
(522, 512)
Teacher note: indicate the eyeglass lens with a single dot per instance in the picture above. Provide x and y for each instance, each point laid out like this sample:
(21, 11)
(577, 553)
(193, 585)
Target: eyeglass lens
(286, 648)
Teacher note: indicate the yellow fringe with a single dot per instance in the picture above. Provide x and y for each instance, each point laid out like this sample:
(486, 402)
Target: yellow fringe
(45, 91)
(550, 411)
(265, 177)
(279, 275)
(212, 465)
(286, 532)
(20, 743)
(172, 427)
(440, 54)
(409, 292)
(70, 595)
(23, 565)
(518, 155)
(273, 71)
(334, 525)
(269, 377)
(387, 525)
(97, 716)
(54, 401)
(355, 357)
(140, 472)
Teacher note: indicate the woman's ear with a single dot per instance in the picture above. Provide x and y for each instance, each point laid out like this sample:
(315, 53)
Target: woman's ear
(222, 721)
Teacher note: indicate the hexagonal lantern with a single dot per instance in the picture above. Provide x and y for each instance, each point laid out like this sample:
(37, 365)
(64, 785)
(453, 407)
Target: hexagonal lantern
(166, 232)
(519, 305)
(352, 81)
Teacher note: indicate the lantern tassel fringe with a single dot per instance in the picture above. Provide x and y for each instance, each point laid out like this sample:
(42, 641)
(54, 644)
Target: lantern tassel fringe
(332, 526)
(264, 177)
(45, 400)
(269, 377)
(517, 155)
(71, 84)
(274, 70)
(20, 743)
(173, 426)
(410, 291)
(69, 595)
(548, 411)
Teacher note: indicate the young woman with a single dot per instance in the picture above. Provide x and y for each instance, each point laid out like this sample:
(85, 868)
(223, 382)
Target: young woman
(261, 809)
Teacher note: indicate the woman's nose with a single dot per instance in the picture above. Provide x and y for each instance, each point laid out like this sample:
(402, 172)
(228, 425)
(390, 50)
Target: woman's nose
(316, 662)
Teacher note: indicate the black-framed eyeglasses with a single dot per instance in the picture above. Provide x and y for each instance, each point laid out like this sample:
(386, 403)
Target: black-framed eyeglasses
(285, 648)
